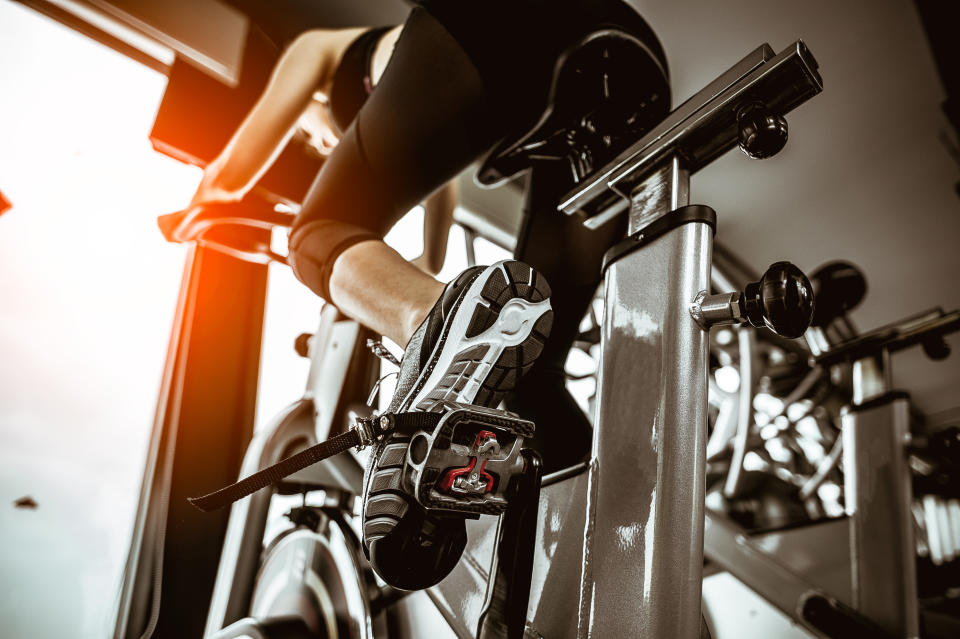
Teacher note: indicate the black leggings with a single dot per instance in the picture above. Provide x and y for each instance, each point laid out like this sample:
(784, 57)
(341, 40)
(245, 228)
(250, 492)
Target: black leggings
(427, 119)
(463, 75)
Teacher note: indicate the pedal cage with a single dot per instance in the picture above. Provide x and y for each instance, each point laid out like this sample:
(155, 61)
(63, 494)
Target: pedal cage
(466, 464)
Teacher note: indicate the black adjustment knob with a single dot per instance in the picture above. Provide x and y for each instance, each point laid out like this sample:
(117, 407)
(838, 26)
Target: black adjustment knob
(936, 348)
(838, 287)
(762, 133)
(782, 300)
(302, 344)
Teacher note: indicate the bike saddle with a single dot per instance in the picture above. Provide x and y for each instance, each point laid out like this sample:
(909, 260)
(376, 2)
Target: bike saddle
(607, 90)
(838, 287)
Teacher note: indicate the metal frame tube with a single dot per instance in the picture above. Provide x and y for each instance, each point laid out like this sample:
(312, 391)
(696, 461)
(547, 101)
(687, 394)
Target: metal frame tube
(748, 383)
(643, 556)
(878, 495)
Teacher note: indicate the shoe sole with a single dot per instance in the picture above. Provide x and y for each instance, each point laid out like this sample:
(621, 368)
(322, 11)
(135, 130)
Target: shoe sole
(493, 336)
(501, 324)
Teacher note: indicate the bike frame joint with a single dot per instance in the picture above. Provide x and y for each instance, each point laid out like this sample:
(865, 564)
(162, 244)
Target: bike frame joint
(711, 310)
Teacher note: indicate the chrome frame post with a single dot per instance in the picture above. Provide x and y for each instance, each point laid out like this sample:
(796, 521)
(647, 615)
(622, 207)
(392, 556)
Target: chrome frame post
(643, 551)
(878, 495)
(643, 556)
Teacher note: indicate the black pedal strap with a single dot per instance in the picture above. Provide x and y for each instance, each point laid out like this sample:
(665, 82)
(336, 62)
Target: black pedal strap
(367, 431)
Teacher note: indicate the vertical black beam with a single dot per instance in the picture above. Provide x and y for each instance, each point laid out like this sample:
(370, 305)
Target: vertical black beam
(212, 410)
(205, 419)
(508, 592)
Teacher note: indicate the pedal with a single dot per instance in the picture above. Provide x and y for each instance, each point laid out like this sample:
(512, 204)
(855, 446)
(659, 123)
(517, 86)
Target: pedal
(466, 464)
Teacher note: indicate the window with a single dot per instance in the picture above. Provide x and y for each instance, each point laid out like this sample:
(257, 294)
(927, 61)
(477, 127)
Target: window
(87, 294)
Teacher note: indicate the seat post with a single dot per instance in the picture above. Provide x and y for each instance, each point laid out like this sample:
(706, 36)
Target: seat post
(643, 556)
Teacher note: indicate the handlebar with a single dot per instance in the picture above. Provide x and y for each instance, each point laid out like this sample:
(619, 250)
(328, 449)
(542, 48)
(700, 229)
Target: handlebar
(704, 127)
(209, 225)
(927, 329)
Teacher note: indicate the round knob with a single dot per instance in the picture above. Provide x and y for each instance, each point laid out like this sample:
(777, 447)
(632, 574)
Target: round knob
(838, 287)
(762, 133)
(782, 300)
(936, 348)
(302, 344)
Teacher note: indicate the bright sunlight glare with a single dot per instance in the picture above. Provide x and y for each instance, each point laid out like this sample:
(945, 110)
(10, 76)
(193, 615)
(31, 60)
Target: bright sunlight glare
(87, 294)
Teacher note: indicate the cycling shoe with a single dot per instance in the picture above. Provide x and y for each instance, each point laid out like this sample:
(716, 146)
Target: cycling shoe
(481, 336)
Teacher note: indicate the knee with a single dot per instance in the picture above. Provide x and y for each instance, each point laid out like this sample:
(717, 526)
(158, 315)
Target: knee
(315, 246)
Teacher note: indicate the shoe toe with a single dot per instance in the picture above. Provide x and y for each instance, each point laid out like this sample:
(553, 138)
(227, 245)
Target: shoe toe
(419, 551)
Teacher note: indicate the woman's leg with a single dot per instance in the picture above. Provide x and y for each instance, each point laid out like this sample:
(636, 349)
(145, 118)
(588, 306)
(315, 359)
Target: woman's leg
(374, 284)
(427, 119)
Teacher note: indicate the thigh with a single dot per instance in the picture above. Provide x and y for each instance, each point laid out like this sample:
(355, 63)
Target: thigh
(464, 74)
(427, 119)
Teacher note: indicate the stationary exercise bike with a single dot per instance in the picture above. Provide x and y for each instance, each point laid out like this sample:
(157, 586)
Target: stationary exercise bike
(577, 553)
